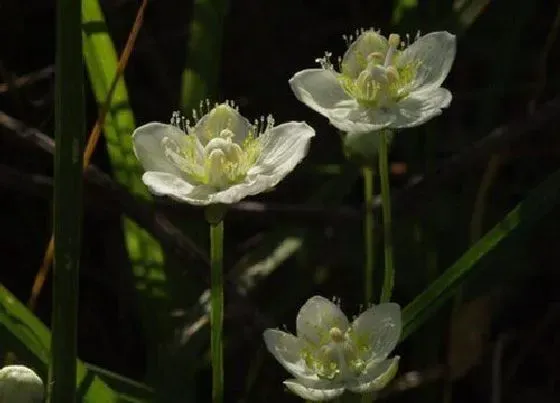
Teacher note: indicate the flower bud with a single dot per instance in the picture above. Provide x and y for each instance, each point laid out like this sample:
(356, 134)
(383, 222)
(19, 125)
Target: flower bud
(19, 384)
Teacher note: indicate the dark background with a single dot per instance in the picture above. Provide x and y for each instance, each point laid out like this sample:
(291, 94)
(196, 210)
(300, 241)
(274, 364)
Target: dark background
(506, 67)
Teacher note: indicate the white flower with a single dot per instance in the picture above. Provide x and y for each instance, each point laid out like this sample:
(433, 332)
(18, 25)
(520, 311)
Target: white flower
(19, 384)
(330, 355)
(221, 159)
(382, 83)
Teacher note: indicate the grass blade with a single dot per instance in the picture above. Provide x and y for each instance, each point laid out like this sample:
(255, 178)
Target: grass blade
(539, 201)
(145, 253)
(200, 76)
(22, 332)
(70, 136)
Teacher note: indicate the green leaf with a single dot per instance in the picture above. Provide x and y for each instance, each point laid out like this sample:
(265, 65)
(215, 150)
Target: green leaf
(145, 253)
(200, 76)
(23, 333)
(539, 201)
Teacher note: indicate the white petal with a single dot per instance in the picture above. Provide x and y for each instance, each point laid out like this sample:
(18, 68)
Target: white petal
(419, 107)
(320, 90)
(379, 328)
(287, 349)
(237, 192)
(147, 143)
(376, 377)
(317, 317)
(354, 60)
(166, 184)
(222, 117)
(363, 120)
(283, 148)
(312, 394)
(435, 52)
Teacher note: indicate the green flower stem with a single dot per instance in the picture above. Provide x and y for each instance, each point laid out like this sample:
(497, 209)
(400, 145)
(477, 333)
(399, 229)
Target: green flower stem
(217, 312)
(389, 276)
(369, 224)
(69, 136)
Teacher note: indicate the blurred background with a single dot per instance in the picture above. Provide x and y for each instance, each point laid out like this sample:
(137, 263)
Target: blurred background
(142, 314)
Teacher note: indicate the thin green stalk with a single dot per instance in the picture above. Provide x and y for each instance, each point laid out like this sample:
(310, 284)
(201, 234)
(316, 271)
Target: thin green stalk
(389, 276)
(369, 227)
(70, 136)
(217, 313)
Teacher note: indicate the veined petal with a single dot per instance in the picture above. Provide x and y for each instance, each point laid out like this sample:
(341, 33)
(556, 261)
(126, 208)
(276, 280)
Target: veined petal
(287, 349)
(148, 148)
(235, 193)
(355, 59)
(320, 90)
(363, 120)
(166, 184)
(220, 118)
(419, 107)
(283, 147)
(375, 378)
(313, 394)
(435, 53)
(379, 329)
(317, 317)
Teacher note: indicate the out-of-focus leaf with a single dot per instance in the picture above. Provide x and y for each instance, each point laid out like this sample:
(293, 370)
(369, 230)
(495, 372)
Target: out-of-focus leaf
(537, 203)
(200, 76)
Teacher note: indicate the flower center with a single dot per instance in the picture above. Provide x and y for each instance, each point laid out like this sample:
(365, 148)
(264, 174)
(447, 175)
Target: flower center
(337, 358)
(382, 80)
(222, 162)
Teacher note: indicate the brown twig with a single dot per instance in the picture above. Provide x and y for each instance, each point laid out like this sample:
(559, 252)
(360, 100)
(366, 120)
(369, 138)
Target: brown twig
(43, 272)
(28, 79)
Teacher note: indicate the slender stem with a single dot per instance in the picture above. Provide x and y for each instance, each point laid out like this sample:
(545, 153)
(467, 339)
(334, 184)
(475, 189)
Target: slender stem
(217, 312)
(389, 276)
(70, 136)
(369, 224)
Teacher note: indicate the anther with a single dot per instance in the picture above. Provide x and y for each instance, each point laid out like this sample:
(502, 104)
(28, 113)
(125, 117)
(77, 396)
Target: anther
(394, 40)
(336, 335)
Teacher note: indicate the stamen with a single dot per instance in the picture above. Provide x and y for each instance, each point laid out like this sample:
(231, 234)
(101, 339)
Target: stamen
(325, 61)
(392, 74)
(394, 41)
(336, 335)
(375, 57)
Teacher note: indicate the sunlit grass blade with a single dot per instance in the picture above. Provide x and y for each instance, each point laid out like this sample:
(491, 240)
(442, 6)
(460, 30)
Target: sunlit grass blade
(539, 201)
(22, 332)
(68, 189)
(144, 251)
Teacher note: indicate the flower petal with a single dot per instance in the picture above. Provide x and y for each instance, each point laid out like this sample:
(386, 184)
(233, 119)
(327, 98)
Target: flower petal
(320, 90)
(376, 378)
(283, 148)
(147, 144)
(313, 394)
(364, 120)
(317, 317)
(378, 328)
(419, 107)
(287, 349)
(435, 52)
(355, 60)
(167, 184)
(222, 117)
(237, 192)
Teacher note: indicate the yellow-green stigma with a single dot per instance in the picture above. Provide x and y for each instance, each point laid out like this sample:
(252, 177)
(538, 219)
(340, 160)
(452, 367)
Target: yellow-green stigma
(214, 154)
